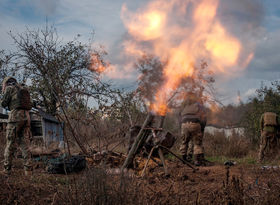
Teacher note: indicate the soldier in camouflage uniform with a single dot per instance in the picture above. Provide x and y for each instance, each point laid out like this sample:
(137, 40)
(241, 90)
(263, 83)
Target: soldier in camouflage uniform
(190, 147)
(192, 129)
(18, 125)
(269, 124)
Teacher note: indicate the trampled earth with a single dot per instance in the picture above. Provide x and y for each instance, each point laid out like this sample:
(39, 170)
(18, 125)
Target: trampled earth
(218, 184)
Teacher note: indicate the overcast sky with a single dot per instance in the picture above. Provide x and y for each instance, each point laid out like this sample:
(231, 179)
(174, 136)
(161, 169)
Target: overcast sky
(72, 17)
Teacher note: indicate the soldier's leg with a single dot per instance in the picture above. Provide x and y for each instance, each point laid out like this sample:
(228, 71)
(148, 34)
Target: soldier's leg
(190, 150)
(273, 143)
(21, 141)
(25, 154)
(10, 146)
(263, 145)
(199, 149)
(186, 137)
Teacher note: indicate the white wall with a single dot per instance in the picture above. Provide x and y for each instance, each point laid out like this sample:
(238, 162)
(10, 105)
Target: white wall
(226, 131)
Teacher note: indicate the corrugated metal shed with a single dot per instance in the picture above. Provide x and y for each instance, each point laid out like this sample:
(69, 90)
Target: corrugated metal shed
(46, 126)
(43, 125)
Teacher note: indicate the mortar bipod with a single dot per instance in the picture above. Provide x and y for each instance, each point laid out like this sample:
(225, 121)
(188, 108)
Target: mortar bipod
(159, 148)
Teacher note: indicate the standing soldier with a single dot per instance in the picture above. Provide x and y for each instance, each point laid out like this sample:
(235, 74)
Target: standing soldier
(190, 145)
(269, 123)
(16, 98)
(193, 124)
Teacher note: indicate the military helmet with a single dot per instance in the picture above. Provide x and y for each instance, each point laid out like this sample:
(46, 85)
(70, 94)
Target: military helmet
(9, 81)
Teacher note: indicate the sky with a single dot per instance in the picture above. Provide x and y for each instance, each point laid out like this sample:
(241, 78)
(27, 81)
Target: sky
(256, 23)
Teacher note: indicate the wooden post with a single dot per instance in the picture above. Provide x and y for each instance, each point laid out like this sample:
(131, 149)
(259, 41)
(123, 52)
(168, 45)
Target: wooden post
(163, 161)
(139, 141)
(161, 121)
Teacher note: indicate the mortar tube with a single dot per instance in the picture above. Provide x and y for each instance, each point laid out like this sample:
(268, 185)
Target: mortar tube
(138, 141)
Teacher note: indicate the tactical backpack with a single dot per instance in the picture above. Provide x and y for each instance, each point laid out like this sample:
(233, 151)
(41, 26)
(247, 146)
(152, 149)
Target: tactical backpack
(23, 98)
(269, 119)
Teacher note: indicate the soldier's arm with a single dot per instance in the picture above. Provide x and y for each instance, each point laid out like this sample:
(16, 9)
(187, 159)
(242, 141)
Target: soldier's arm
(6, 97)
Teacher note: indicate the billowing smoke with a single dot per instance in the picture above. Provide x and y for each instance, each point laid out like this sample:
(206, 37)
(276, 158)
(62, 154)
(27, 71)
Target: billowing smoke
(184, 33)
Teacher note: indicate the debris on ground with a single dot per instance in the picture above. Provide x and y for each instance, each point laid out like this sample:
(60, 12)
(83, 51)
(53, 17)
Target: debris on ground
(266, 167)
(65, 164)
(229, 163)
(108, 158)
(56, 162)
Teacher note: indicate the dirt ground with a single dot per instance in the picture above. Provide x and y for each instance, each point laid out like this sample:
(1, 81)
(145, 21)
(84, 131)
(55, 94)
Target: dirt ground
(218, 184)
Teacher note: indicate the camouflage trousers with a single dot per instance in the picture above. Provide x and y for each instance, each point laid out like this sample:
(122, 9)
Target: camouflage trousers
(191, 139)
(268, 141)
(15, 137)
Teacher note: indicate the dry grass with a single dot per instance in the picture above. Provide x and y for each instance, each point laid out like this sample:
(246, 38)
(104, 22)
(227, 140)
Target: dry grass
(218, 145)
(95, 186)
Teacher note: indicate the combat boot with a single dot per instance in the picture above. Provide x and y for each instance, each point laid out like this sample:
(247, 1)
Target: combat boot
(189, 157)
(184, 157)
(199, 160)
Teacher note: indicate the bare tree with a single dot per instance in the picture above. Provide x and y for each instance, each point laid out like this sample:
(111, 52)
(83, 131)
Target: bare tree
(5, 65)
(152, 78)
(59, 72)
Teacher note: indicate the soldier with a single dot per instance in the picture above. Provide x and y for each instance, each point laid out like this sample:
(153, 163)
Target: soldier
(190, 145)
(16, 98)
(269, 123)
(193, 123)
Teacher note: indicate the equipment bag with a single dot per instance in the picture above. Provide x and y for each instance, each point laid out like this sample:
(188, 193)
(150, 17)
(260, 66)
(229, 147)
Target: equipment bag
(270, 119)
(23, 97)
(65, 166)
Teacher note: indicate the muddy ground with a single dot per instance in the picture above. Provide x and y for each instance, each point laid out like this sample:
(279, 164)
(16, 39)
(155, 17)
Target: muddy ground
(218, 184)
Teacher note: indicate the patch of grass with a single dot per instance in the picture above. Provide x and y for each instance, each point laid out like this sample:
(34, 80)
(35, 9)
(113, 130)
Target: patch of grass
(170, 156)
(218, 159)
(246, 160)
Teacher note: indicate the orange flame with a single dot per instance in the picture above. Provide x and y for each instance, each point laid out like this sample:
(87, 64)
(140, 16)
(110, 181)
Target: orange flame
(96, 64)
(183, 42)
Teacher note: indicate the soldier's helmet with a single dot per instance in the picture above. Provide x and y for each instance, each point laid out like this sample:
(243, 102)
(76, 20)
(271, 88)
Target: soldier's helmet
(9, 81)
